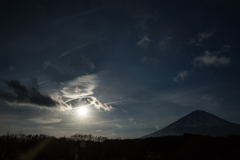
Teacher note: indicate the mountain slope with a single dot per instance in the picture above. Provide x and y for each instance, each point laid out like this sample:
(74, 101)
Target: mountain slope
(199, 122)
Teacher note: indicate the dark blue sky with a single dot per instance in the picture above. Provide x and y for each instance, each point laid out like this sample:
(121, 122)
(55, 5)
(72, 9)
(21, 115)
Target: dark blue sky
(137, 66)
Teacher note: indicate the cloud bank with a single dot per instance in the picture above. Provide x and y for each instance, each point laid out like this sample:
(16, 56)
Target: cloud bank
(21, 95)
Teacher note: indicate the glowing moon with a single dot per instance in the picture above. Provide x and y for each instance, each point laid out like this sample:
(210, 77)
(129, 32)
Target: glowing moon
(82, 111)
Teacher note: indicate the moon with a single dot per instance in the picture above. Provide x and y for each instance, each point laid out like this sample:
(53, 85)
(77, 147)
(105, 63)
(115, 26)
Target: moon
(82, 111)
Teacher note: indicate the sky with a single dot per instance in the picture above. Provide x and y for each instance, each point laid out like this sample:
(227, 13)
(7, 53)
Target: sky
(116, 68)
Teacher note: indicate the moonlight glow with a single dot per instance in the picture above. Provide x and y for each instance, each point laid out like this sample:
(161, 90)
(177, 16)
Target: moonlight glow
(82, 111)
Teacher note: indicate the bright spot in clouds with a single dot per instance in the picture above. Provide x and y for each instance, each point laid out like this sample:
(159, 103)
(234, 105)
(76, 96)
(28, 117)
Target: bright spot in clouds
(82, 111)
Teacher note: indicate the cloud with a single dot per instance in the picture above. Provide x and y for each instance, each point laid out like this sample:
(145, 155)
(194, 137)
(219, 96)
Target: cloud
(11, 68)
(118, 125)
(87, 63)
(88, 101)
(22, 95)
(79, 47)
(143, 60)
(211, 59)
(226, 48)
(208, 59)
(202, 36)
(205, 35)
(153, 61)
(98, 131)
(114, 102)
(43, 82)
(81, 86)
(45, 120)
(194, 98)
(100, 105)
(77, 15)
(157, 128)
(142, 17)
(181, 76)
(163, 44)
(131, 119)
(62, 69)
(144, 42)
(46, 64)
(125, 111)
(79, 90)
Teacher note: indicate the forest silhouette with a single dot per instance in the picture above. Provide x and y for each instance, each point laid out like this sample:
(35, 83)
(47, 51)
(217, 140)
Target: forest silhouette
(89, 147)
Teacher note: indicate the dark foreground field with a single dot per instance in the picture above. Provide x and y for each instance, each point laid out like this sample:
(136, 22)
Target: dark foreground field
(187, 147)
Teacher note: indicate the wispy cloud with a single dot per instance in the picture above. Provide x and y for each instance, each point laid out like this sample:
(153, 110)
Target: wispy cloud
(88, 101)
(142, 16)
(79, 47)
(98, 131)
(116, 120)
(207, 59)
(181, 76)
(76, 15)
(132, 120)
(226, 48)
(157, 128)
(43, 82)
(81, 86)
(144, 42)
(197, 98)
(113, 102)
(211, 59)
(79, 90)
(46, 64)
(125, 111)
(61, 69)
(11, 68)
(202, 36)
(118, 125)
(163, 44)
(205, 35)
(45, 120)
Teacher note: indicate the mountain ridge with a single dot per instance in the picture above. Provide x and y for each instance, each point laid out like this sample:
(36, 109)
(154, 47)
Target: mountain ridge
(199, 122)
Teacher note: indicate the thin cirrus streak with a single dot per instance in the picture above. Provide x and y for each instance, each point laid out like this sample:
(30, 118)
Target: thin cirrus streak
(43, 82)
(79, 47)
(77, 15)
(72, 17)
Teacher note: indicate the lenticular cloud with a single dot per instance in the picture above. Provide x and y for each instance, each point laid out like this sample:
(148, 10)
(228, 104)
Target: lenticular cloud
(81, 86)
(79, 90)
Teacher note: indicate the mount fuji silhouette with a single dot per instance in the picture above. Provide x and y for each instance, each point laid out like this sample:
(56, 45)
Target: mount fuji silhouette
(201, 123)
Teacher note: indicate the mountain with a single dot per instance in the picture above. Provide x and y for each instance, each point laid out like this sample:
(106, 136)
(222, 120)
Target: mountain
(199, 122)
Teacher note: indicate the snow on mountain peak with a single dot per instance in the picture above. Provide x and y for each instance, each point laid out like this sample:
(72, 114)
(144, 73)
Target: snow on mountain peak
(199, 118)
(199, 122)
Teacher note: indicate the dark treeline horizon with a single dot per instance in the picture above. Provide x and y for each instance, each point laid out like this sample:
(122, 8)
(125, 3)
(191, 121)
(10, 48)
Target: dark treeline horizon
(78, 146)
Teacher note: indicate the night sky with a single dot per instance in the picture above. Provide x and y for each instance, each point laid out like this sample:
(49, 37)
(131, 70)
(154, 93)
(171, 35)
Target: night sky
(134, 66)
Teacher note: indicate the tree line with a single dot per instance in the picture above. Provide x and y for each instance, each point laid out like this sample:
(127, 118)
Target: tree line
(89, 147)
